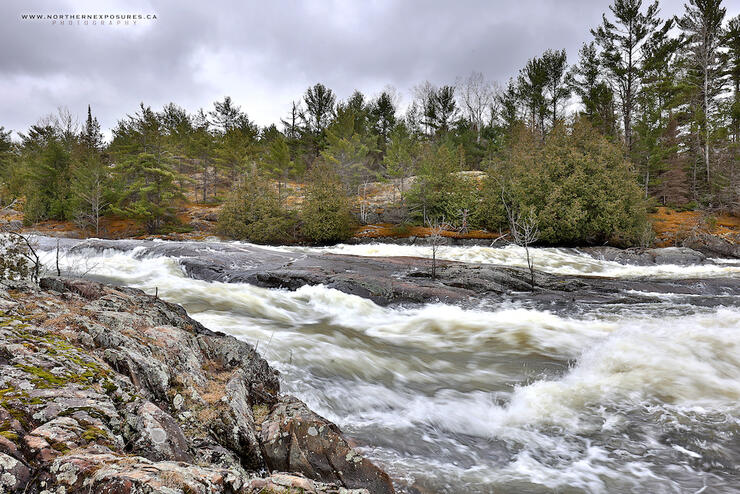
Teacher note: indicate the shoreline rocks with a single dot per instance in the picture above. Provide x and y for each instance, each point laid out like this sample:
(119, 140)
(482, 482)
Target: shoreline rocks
(107, 389)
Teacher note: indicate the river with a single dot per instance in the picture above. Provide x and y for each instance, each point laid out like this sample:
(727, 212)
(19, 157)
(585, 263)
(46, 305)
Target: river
(495, 397)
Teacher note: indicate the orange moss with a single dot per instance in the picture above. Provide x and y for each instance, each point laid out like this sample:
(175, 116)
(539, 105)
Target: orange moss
(670, 225)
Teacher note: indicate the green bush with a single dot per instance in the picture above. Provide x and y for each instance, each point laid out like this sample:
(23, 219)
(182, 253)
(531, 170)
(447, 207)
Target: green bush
(583, 189)
(253, 212)
(440, 190)
(326, 214)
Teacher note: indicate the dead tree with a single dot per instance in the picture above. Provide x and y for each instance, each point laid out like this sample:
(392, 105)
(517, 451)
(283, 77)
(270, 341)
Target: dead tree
(524, 229)
(436, 228)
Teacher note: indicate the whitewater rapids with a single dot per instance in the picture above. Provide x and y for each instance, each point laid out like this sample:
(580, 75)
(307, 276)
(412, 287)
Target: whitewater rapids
(497, 398)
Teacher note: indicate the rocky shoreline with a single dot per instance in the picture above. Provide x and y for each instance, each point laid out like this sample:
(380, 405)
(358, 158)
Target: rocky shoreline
(111, 390)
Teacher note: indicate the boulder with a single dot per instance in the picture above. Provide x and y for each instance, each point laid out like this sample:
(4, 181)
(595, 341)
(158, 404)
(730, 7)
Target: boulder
(295, 439)
(159, 435)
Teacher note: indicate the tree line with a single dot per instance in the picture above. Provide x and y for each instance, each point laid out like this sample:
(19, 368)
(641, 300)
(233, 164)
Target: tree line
(648, 114)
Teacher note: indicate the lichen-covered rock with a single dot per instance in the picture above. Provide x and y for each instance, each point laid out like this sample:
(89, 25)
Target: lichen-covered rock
(235, 424)
(111, 390)
(160, 437)
(295, 439)
(98, 471)
(14, 475)
(280, 483)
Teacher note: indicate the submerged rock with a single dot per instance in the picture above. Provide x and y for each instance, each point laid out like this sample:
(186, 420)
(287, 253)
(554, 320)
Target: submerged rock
(680, 256)
(108, 389)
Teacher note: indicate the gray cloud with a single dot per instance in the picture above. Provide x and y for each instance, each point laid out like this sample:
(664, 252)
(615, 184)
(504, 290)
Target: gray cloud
(264, 54)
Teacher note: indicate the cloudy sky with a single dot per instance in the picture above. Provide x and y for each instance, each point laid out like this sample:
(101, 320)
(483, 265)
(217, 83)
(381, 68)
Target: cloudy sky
(265, 53)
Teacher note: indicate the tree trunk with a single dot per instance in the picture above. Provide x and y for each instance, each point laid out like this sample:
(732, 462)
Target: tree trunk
(706, 122)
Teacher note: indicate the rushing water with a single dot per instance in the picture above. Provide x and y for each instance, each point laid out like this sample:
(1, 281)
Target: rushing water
(503, 397)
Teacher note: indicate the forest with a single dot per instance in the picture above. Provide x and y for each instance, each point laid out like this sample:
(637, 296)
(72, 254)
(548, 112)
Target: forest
(647, 113)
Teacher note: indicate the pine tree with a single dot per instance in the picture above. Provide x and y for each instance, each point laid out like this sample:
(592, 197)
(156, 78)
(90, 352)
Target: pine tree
(656, 105)
(732, 43)
(702, 26)
(346, 150)
(621, 41)
(557, 80)
(531, 89)
(400, 159)
(47, 166)
(383, 115)
(90, 177)
(278, 164)
(508, 101)
(596, 95)
(319, 102)
(148, 190)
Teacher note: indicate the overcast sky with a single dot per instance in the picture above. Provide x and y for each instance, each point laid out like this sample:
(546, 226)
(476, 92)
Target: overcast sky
(265, 53)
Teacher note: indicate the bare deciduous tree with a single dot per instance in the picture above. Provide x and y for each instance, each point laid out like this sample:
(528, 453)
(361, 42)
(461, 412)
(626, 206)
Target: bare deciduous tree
(524, 229)
(436, 226)
(92, 196)
(476, 97)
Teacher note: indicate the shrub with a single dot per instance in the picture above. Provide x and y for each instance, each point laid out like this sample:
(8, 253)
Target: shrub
(439, 190)
(326, 211)
(580, 184)
(253, 212)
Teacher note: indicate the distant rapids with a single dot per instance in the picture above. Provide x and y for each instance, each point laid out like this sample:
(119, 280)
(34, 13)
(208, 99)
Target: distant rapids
(500, 397)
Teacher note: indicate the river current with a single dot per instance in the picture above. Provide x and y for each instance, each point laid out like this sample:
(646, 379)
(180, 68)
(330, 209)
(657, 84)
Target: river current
(501, 397)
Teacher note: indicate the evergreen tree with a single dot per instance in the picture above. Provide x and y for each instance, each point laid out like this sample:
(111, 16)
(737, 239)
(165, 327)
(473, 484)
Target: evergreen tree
(401, 157)
(47, 172)
(383, 116)
(253, 212)
(732, 43)
(582, 188)
(531, 89)
(148, 190)
(346, 150)
(278, 164)
(556, 81)
(509, 100)
(90, 177)
(595, 93)
(702, 25)
(92, 137)
(441, 110)
(325, 214)
(319, 101)
(225, 115)
(434, 191)
(202, 150)
(621, 41)
(656, 105)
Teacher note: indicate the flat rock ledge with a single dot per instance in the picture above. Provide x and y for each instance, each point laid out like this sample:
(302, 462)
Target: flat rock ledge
(109, 390)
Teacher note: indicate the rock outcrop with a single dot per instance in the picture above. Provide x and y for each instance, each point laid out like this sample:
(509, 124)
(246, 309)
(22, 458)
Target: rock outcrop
(397, 280)
(680, 256)
(111, 390)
